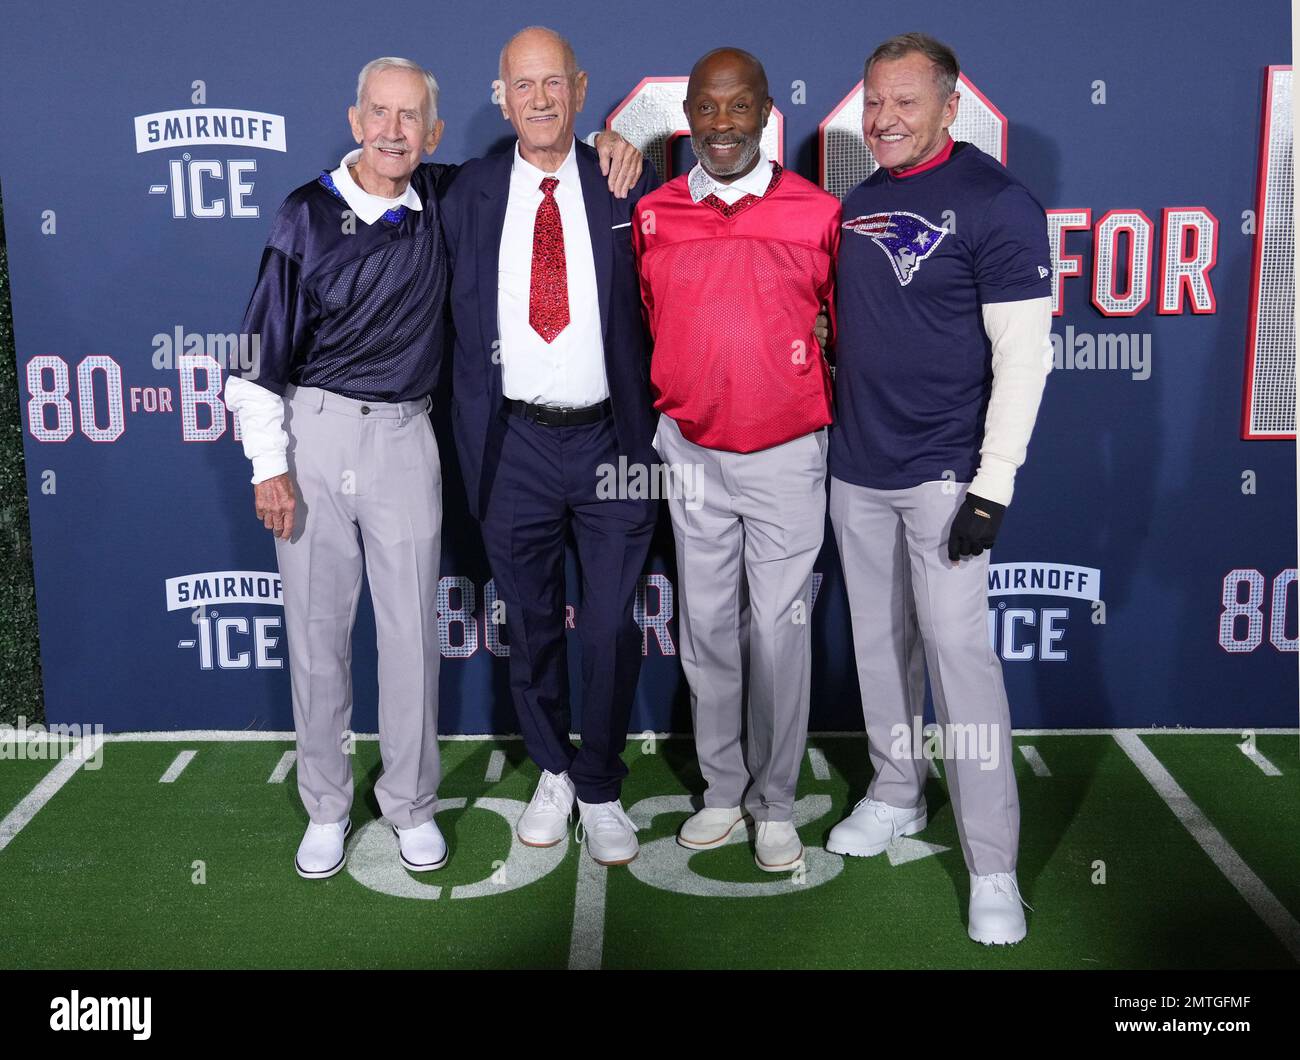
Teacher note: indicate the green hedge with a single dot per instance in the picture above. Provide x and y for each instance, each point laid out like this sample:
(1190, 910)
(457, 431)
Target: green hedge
(20, 656)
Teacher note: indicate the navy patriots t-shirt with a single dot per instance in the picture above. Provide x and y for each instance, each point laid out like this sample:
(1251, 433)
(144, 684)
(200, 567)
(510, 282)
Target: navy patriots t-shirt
(352, 308)
(918, 257)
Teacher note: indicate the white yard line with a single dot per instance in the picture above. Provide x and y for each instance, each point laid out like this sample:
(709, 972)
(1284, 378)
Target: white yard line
(272, 736)
(177, 767)
(1030, 754)
(1157, 730)
(250, 735)
(206, 736)
(821, 769)
(1211, 840)
(587, 945)
(17, 818)
(282, 767)
(496, 764)
(1253, 753)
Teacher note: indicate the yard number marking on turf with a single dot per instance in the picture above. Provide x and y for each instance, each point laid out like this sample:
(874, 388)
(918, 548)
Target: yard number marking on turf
(1210, 839)
(665, 864)
(902, 849)
(1035, 760)
(496, 763)
(817, 760)
(177, 767)
(282, 767)
(373, 861)
(1252, 752)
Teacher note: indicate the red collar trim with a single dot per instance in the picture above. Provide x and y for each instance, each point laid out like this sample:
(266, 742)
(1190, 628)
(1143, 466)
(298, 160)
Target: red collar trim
(937, 160)
(729, 210)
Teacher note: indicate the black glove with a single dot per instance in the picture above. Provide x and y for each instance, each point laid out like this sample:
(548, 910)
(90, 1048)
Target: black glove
(975, 527)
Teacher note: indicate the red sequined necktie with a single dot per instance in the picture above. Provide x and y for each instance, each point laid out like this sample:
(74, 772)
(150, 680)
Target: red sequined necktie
(548, 295)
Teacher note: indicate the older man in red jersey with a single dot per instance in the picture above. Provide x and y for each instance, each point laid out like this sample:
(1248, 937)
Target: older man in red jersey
(735, 259)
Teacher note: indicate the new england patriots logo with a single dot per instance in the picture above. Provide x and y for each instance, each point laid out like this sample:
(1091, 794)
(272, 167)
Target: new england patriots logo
(907, 238)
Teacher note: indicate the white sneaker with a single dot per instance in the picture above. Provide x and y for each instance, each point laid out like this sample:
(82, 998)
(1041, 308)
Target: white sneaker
(778, 847)
(546, 821)
(872, 826)
(421, 848)
(996, 918)
(710, 827)
(608, 832)
(320, 854)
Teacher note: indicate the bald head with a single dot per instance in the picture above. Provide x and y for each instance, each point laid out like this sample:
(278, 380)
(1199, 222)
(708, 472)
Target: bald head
(729, 66)
(542, 91)
(727, 107)
(529, 41)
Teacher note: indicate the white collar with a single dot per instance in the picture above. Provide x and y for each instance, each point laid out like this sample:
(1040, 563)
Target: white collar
(370, 208)
(754, 182)
(526, 172)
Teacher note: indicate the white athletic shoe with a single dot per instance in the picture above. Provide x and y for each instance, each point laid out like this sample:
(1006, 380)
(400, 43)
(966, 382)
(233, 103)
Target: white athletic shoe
(421, 848)
(608, 832)
(710, 827)
(778, 847)
(872, 826)
(320, 854)
(546, 821)
(996, 918)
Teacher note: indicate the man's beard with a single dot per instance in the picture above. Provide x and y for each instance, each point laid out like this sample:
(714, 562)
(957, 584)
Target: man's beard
(748, 152)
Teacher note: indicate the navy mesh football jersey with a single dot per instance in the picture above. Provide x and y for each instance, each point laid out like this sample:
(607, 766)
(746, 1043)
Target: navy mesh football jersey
(353, 308)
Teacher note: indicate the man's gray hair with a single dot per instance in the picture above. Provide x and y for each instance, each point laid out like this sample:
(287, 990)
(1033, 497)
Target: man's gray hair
(946, 70)
(570, 57)
(392, 62)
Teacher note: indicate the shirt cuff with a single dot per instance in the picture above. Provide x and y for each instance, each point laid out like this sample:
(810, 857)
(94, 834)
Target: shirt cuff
(268, 465)
(995, 480)
(261, 415)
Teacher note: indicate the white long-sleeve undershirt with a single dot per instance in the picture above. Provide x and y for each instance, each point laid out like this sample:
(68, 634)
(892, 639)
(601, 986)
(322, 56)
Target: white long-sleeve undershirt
(261, 426)
(1022, 356)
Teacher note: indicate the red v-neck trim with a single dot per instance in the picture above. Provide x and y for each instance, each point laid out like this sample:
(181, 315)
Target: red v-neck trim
(729, 210)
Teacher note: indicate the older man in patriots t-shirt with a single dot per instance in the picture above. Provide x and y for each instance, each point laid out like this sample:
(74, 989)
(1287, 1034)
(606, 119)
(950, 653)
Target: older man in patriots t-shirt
(944, 310)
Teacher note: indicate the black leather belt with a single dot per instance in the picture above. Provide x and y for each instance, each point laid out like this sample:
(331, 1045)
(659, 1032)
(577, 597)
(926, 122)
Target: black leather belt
(556, 416)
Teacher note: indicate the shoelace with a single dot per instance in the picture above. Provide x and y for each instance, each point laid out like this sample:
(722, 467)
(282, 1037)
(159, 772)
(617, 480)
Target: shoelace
(1005, 883)
(607, 815)
(550, 790)
(883, 813)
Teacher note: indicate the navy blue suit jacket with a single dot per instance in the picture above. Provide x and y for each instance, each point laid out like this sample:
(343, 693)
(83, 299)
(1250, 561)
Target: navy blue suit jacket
(473, 215)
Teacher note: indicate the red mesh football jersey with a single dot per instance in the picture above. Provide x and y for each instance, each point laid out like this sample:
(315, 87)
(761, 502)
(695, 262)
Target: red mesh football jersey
(731, 294)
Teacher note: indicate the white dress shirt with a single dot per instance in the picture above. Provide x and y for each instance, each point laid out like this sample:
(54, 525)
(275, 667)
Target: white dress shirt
(570, 370)
(754, 182)
(260, 412)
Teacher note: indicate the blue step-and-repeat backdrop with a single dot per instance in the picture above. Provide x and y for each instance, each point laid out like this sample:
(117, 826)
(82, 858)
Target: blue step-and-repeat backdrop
(1146, 571)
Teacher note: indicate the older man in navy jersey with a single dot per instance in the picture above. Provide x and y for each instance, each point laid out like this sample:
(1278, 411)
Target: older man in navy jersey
(944, 283)
(349, 306)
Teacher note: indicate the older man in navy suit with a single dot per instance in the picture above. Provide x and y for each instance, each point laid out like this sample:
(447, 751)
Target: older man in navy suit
(550, 389)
